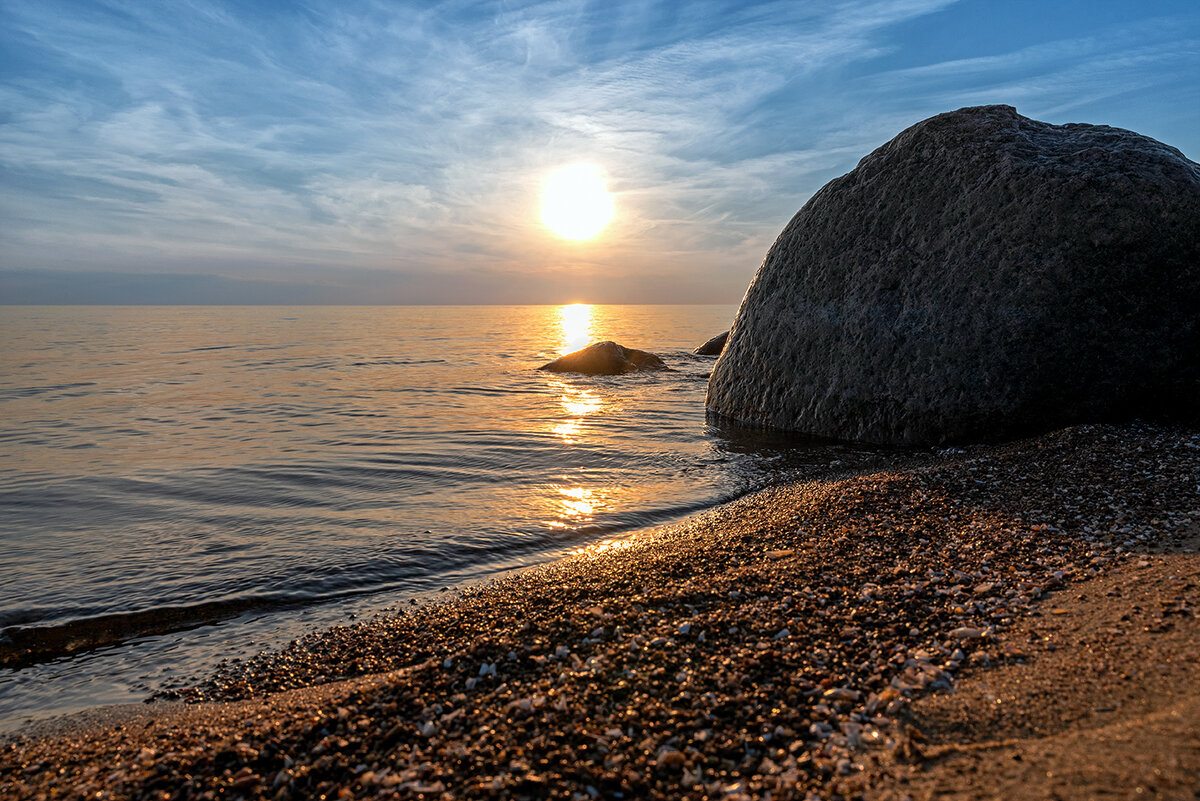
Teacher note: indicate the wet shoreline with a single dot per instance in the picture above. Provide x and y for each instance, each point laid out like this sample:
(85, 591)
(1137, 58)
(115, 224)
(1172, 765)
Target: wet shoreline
(776, 644)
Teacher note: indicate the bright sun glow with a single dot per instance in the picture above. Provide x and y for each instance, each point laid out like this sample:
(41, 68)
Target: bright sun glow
(575, 202)
(576, 320)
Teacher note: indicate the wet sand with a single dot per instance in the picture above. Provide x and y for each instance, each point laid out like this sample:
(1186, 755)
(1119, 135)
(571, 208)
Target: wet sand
(1015, 622)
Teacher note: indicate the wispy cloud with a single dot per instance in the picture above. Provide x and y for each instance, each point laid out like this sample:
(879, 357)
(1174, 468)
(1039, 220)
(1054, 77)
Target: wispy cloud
(340, 144)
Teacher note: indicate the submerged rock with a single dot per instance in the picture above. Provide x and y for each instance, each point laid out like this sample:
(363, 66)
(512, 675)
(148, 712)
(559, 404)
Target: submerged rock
(713, 347)
(981, 276)
(605, 358)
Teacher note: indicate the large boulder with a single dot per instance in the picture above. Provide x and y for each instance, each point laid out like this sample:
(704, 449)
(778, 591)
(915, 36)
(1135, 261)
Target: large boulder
(981, 276)
(605, 358)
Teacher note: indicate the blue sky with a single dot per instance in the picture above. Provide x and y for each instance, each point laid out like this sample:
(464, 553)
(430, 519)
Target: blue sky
(385, 152)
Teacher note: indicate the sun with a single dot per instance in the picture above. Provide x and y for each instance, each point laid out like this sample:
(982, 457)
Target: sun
(575, 202)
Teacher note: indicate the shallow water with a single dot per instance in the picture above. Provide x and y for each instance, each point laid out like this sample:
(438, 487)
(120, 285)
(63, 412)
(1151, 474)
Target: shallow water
(180, 485)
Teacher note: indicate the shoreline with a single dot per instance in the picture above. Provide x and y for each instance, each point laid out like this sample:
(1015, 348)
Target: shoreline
(35, 644)
(243, 631)
(783, 643)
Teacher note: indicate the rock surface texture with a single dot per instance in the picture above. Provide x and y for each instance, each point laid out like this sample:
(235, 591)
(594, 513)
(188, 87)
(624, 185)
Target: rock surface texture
(714, 346)
(605, 358)
(981, 276)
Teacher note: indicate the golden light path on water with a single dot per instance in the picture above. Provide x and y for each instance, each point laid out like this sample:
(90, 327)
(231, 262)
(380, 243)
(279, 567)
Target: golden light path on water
(579, 500)
(579, 504)
(575, 503)
(576, 321)
(579, 402)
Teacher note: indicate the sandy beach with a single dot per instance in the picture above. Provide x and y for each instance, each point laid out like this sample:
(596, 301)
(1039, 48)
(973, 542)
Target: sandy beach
(1016, 621)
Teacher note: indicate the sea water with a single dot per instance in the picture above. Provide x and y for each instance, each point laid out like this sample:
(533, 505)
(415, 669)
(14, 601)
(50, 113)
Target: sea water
(180, 485)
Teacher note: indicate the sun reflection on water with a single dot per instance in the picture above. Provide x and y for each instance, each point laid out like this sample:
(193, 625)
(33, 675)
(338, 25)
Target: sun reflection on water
(575, 505)
(578, 401)
(578, 501)
(576, 320)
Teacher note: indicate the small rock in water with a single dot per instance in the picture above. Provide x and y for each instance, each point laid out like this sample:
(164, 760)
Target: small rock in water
(605, 358)
(714, 346)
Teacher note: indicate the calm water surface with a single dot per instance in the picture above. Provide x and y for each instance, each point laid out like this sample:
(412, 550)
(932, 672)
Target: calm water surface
(185, 484)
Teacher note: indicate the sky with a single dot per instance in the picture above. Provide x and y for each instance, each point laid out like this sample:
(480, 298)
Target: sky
(394, 153)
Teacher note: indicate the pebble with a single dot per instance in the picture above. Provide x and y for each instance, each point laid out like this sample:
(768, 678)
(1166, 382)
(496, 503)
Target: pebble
(967, 633)
(897, 576)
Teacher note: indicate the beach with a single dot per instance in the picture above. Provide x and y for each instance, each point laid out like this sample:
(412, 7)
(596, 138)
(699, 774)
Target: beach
(717, 401)
(1013, 621)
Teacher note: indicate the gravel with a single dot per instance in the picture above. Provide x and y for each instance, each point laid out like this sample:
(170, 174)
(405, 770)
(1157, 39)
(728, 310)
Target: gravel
(771, 648)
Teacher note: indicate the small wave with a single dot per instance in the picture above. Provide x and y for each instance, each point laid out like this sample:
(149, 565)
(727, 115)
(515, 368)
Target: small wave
(30, 392)
(21, 647)
(480, 390)
(396, 362)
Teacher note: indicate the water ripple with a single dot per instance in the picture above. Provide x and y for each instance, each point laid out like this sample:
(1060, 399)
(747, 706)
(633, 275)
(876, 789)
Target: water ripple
(258, 472)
